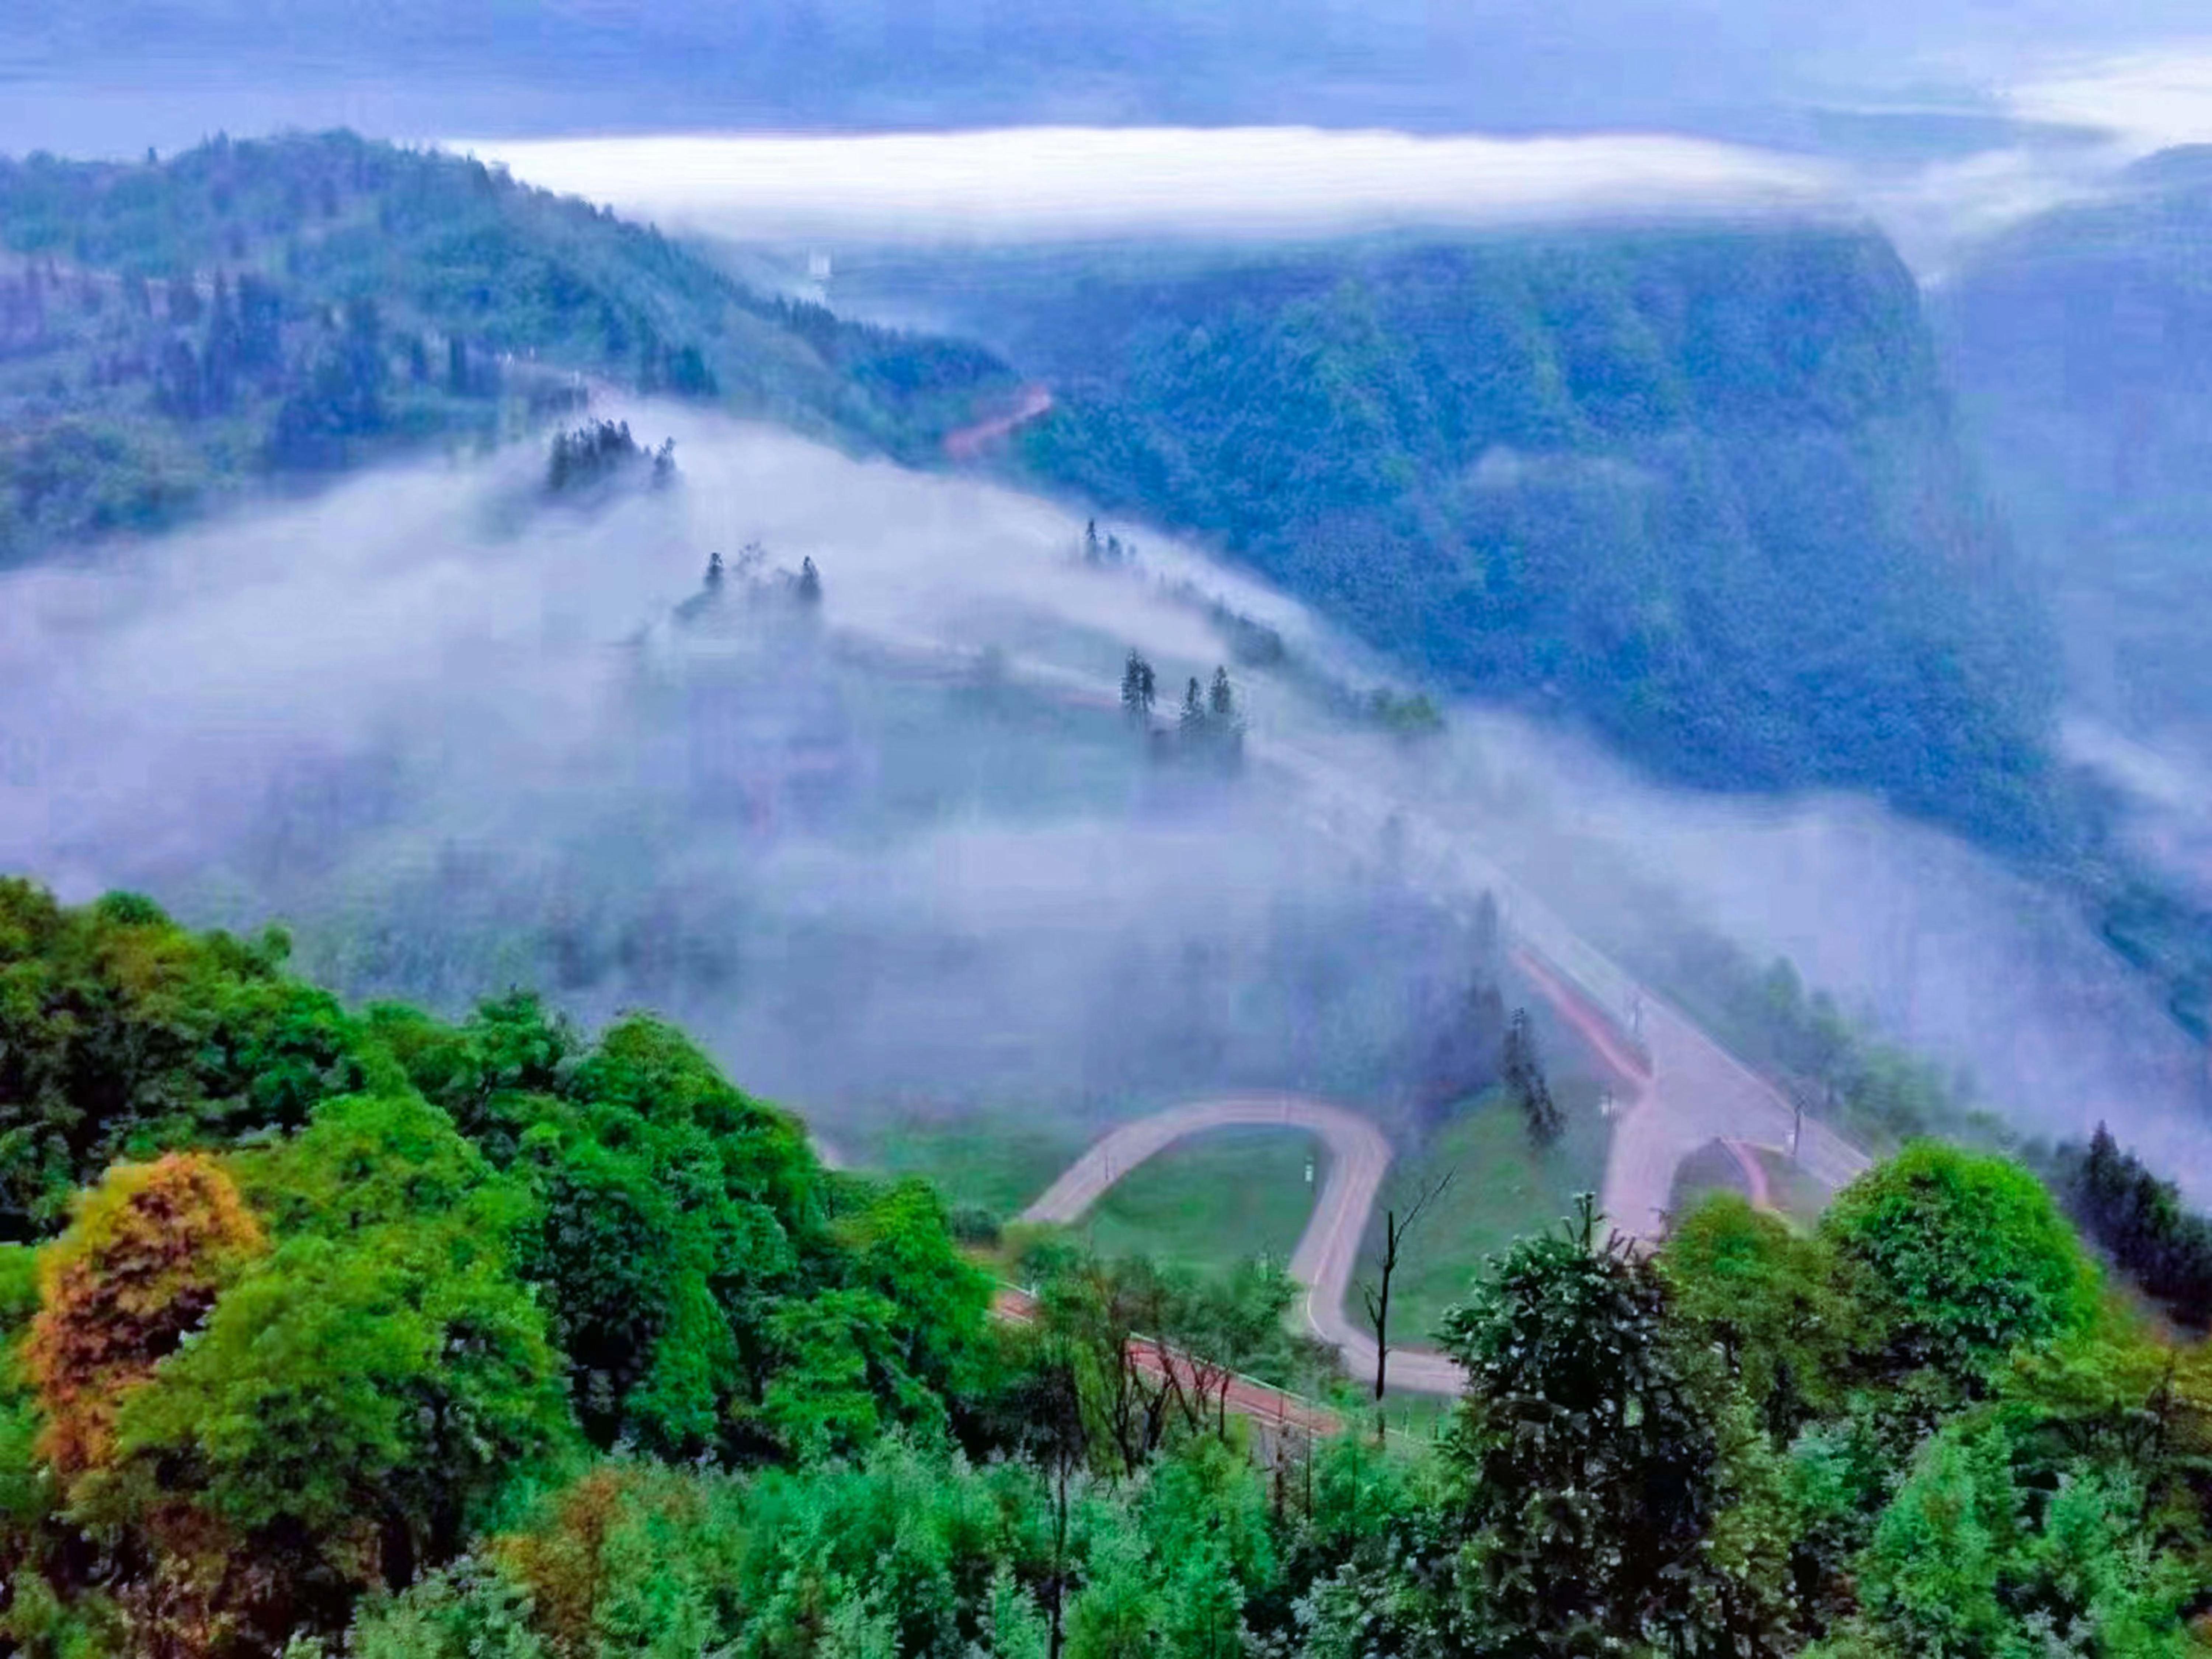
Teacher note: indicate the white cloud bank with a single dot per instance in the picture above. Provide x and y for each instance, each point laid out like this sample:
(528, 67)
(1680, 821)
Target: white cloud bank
(1053, 183)
(2148, 101)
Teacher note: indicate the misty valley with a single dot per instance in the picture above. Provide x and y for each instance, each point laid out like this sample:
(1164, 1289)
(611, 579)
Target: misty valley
(1460, 932)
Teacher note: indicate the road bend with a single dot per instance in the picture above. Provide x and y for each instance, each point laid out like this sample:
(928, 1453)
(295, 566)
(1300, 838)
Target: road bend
(1327, 1251)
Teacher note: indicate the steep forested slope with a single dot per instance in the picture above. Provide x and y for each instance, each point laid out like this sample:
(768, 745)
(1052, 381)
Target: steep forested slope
(170, 329)
(1698, 486)
(2081, 345)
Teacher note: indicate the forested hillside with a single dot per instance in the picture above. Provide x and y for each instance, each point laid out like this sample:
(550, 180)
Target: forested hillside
(174, 331)
(1696, 487)
(351, 1330)
(2082, 343)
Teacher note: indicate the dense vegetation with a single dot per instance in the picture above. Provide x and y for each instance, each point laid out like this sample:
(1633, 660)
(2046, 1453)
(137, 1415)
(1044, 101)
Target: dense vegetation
(2152, 1236)
(1697, 488)
(249, 311)
(368, 1332)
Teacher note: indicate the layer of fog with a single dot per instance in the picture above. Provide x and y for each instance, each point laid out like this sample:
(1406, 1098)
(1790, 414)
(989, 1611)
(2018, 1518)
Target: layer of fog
(1920, 937)
(1049, 183)
(1938, 180)
(456, 737)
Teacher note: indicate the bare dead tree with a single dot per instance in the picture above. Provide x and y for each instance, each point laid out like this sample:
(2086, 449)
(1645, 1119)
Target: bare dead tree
(1395, 1229)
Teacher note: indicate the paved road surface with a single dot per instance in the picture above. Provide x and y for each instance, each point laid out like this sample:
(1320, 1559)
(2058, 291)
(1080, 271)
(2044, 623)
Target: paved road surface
(1701, 1093)
(1327, 1251)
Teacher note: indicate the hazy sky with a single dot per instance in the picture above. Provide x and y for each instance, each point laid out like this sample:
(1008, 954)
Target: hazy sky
(116, 74)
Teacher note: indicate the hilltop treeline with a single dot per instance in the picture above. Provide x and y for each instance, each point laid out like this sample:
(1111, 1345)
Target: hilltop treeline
(337, 1330)
(175, 329)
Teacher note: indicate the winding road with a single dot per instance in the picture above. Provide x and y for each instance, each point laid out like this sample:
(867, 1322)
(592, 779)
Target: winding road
(1680, 1088)
(1712, 1097)
(1329, 1249)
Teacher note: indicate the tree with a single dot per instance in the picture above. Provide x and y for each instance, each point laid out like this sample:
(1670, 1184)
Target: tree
(1395, 1229)
(148, 1252)
(1192, 722)
(1969, 1560)
(1137, 689)
(1523, 1072)
(2152, 1236)
(1582, 1455)
(714, 580)
(1221, 701)
(810, 583)
(352, 1407)
(1774, 1302)
(122, 1034)
(1964, 1258)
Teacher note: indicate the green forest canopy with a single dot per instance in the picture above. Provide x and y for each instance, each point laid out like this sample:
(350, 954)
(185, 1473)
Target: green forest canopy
(250, 309)
(352, 1329)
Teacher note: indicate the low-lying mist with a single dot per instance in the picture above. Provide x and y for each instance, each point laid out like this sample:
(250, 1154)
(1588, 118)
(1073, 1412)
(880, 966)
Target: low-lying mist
(899, 851)
(463, 735)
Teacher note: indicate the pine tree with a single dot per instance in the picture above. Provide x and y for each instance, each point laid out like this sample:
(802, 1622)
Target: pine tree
(1524, 1081)
(713, 573)
(1137, 689)
(1221, 700)
(1192, 721)
(810, 583)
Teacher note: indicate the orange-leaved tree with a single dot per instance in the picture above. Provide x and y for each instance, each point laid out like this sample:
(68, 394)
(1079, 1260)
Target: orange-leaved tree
(142, 1263)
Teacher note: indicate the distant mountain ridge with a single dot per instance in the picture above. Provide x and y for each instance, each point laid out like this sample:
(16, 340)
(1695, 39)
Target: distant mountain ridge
(172, 330)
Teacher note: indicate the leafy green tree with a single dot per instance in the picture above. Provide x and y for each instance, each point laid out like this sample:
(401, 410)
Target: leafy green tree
(1967, 1562)
(387, 1386)
(836, 1358)
(122, 1036)
(1585, 1454)
(1964, 1257)
(1774, 1303)
(469, 1610)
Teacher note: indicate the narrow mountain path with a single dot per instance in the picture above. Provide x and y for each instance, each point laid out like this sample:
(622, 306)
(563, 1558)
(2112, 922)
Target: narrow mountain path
(970, 441)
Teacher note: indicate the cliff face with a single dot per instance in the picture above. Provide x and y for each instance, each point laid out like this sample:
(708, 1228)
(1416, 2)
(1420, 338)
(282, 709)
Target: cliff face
(2082, 347)
(1699, 487)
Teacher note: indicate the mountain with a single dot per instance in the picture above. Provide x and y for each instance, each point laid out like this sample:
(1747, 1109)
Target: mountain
(170, 333)
(2081, 346)
(1696, 486)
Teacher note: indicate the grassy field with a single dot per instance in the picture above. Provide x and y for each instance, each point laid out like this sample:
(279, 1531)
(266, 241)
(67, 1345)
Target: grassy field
(1212, 1201)
(1502, 1187)
(999, 1164)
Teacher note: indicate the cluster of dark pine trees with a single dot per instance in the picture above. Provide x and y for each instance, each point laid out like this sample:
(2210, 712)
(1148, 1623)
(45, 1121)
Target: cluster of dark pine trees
(2155, 1239)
